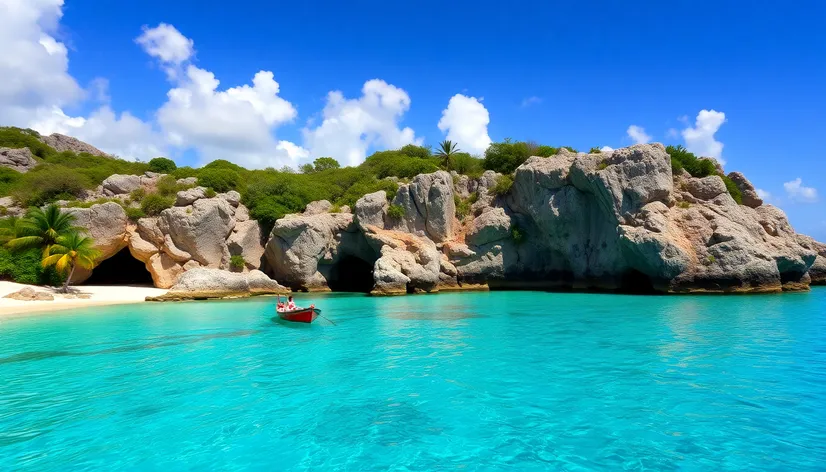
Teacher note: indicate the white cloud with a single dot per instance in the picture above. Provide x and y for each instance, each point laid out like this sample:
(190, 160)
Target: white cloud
(672, 133)
(351, 126)
(167, 44)
(606, 149)
(33, 64)
(465, 120)
(799, 192)
(764, 195)
(534, 100)
(638, 134)
(700, 139)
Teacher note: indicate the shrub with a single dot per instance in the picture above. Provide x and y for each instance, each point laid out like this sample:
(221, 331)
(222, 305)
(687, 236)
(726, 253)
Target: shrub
(546, 151)
(209, 193)
(153, 204)
(466, 164)
(395, 164)
(517, 235)
(224, 164)
(411, 150)
(682, 159)
(25, 267)
(8, 177)
(162, 165)
(503, 185)
(733, 189)
(602, 164)
(137, 194)
(237, 262)
(595, 150)
(168, 186)
(463, 205)
(184, 172)
(45, 184)
(320, 165)
(134, 214)
(683, 204)
(219, 179)
(396, 212)
(506, 156)
(15, 138)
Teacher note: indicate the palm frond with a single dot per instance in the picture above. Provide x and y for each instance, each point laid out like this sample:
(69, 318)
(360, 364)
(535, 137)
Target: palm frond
(25, 242)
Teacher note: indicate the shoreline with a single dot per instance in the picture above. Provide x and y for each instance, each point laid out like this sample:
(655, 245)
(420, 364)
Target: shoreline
(99, 295)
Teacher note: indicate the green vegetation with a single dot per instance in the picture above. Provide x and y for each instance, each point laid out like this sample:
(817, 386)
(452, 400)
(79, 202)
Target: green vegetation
(683, 204)
(463, 205)
(447, 149)
(320, 165)
(396, 212)
(517, 235)
(595, 150)
(219, 179)
(162, 165)
(682, 159)
(134, 214)
(25, 267)
(237, 262)
(466, 164)
(503, 185)
(506, 156)
(41, 229)
(603, 164)
(154, 203)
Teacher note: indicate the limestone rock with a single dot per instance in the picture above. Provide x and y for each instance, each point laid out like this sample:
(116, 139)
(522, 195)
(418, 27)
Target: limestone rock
(750, 196)
(706, 188)
(164, 270)
(245, 241)
(106, 224)
(232, 197)
(201, 230)
(120, 184)
(429, 206)
(215, 283)
(20, 159)
(189, 196)
(187, 181)
(320, 206)
(67, 143)
(490, 226)
(29, 294)
(406, 263)
(371, 209)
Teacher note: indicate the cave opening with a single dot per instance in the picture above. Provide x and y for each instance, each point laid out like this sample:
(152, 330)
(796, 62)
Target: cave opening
(351, 274)
(634, 281)
(120, 269)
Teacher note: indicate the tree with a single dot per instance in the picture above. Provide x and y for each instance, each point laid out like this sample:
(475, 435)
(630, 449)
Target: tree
(70, 251)
(43, 228)
(162, 165)
(446, 151)
(325, 163)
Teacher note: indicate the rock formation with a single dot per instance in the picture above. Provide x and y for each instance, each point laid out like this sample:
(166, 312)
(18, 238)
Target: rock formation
(20, 159)
(67, 143)
(29, 294)
(616, 221)
(199, 284)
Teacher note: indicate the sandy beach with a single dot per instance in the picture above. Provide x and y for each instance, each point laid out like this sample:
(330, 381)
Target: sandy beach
(98, 295)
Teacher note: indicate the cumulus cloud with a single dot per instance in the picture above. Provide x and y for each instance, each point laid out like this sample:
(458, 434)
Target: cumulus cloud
(350, 126)
(800, 193)
(606, 149)
(33, 64)
(764, 195)
(465, 120)
(534, 100)
(672, 133)
(165, 43)
(637, 133)
(700, 140)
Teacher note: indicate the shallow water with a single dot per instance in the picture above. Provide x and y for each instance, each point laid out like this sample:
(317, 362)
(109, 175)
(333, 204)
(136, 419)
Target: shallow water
(473, 381)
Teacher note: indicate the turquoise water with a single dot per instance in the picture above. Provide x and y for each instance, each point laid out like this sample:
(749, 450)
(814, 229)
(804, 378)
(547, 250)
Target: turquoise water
(475, 381)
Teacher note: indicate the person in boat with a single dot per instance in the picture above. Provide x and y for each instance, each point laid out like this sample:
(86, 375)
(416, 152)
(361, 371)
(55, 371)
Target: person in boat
(291, 304)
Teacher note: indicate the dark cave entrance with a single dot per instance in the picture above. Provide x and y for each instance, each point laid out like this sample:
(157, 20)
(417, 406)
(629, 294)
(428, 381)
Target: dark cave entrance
(120, 269)
(351, 274)
(634, 281)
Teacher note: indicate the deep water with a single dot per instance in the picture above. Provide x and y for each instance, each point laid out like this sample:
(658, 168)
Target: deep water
(474, 381)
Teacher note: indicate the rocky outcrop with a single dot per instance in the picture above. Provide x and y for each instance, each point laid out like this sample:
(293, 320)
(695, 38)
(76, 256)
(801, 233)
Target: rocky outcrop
(20, 159)
(67, 143)
(119, 184)
(200, 284)
(428, 204)
(29, 294)
(315, 208)
(747, 190)
(107, 225)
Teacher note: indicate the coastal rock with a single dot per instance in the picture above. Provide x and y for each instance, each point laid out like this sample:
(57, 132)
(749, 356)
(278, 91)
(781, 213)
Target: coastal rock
(428, 205)
(201, 230)
(62, 143)
(371, 209)
(320, 206)
(120, 184)
(20, 159)
(706, 188)
(30, 295)
(189, 196)
(750, 196)
(245, 241)
(490, 226)
(407, 263)
(203, 283)
(106, 224)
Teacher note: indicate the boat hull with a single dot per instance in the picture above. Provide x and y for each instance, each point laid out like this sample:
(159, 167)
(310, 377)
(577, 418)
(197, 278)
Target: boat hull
(304, 315)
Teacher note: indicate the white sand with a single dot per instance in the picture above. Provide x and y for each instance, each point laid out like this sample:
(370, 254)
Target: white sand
(100, 295)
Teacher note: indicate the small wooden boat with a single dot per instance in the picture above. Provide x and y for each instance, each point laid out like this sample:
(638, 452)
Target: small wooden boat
(301, 315)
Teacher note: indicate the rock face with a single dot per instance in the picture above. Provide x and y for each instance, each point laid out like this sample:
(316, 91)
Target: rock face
(67, 143)
(107, 225)
(118, 184)
(198, 284)
(20, 160)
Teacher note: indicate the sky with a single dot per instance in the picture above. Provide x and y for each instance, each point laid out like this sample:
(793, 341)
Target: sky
(271, 83)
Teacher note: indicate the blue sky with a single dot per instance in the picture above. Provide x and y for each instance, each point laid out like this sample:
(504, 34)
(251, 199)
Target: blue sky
(555, 72)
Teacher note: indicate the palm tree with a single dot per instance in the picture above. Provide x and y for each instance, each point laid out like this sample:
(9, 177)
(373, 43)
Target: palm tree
(70, 251)
(42, 228)
(446, 151)
(8, 229)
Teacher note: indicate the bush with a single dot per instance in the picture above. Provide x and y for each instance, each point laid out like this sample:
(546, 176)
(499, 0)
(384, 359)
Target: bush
(595, 150)
(411, 150)
(153, 204)
(168, 186)
(395, 164)
(137, 194)
(503, 185)
(506, 156)
(466, 164)
(683, 204)
(602, 164)
(45, 184)
(463, 205)
(219, 179)
(162, 165)
(133, 213)
(184, 172)
(237, 262)
(396, 212)
(25, 267)
(15, 138)
(682, 159)
(8, 178)
(209, 193)
(320, 165)
(546, 151)
(733, 189)
(517, 235)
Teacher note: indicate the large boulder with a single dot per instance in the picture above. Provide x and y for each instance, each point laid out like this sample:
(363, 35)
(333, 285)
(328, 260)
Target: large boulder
(120, 184)
(20, 159)
(29, 294)
(197, 284)
(245, 241)
(749, 193)
(67, 143)
(320, 206)
(201, 230)
(107, 225)
(429, 207)
(407, 263)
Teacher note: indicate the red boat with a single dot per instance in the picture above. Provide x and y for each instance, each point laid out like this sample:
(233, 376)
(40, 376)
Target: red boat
(301, 315)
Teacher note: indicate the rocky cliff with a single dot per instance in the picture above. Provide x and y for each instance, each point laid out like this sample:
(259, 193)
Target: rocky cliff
(616, 221)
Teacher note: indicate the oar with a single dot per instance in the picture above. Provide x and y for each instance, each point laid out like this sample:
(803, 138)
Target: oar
(328, 319)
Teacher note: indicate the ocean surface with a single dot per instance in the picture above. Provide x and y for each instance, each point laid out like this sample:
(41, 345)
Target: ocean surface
(473, 381)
